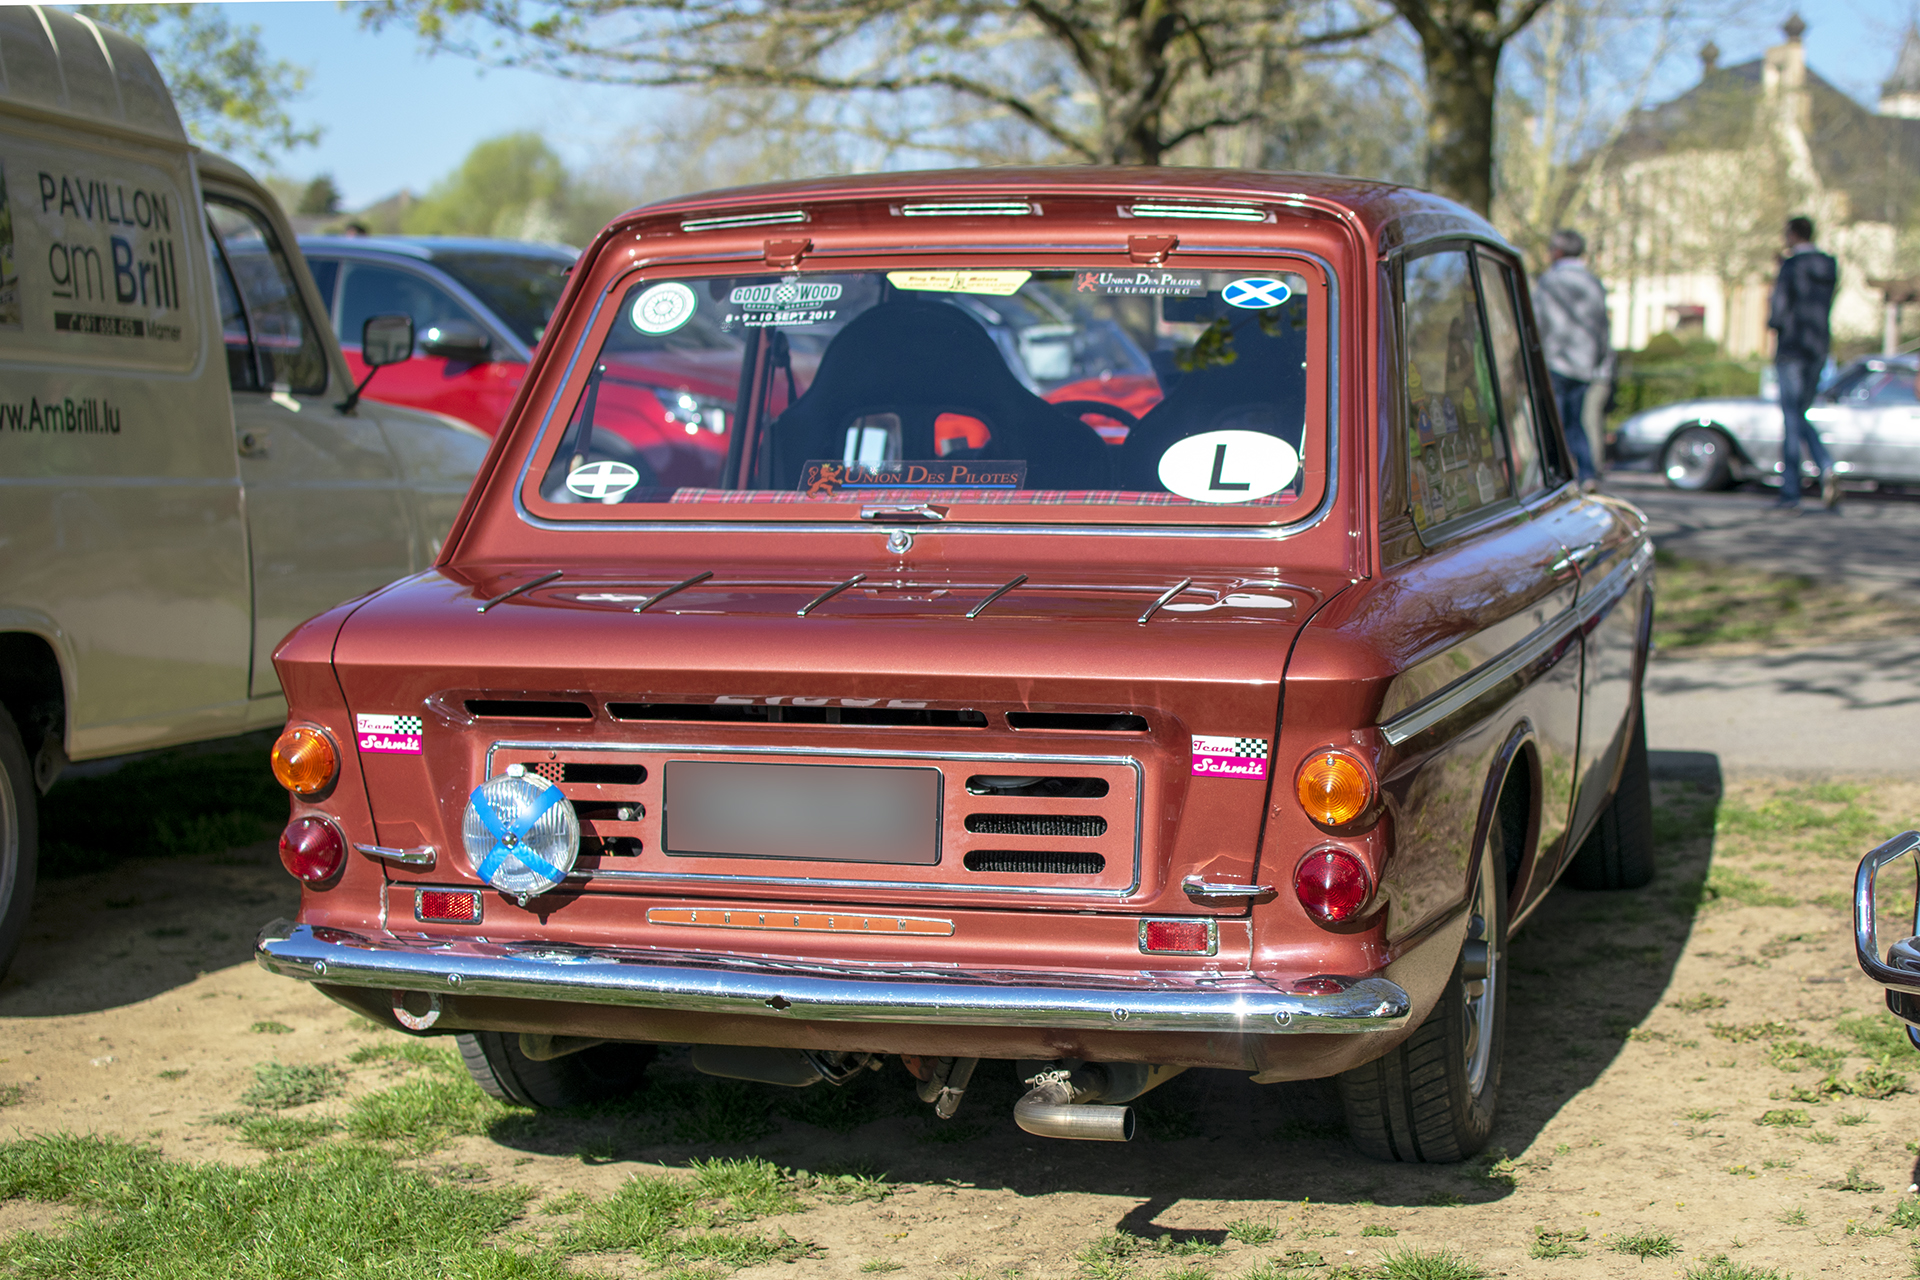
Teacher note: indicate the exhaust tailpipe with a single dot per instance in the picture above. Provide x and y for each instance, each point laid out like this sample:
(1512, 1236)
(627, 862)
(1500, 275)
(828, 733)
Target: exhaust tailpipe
(1058, 1105)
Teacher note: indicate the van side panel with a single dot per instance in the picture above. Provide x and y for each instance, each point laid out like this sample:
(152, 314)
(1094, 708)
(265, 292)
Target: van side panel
(121, 512)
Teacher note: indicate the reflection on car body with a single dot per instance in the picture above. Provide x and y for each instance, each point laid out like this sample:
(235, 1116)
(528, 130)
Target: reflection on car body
(1165, 637)
(1867, 414)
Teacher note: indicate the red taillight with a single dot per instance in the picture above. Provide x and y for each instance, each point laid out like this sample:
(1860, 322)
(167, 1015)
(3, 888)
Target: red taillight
(312, 850)
(446, 906)
(1332, 884)
(1178, 937)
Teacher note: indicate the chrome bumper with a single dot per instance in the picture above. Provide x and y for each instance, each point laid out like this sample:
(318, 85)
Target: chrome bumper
(1900, 971)
(777, 989)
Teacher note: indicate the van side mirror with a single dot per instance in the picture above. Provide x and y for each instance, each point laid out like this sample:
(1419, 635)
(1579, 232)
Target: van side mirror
(384, 340)
(458, 340)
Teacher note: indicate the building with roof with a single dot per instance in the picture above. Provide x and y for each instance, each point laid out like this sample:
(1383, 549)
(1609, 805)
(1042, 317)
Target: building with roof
(1686, 216)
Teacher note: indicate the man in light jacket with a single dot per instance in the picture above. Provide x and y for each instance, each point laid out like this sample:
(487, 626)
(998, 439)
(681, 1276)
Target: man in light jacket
(1802, 300)
(1572, 307)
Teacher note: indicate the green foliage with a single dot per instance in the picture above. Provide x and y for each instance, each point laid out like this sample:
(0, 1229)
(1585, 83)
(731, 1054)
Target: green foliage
(183, 803)
(1749, 1032)
(408, 1053)
(1854, 1182)
(1246, 1231)
(1905, 1214)
(320, 198)
(1549, 1243)
(279, 1085)
(284, 1133)
(1438, 1264)
(270, 1028)
(1879, 1035)
(1720, 1267)
(1379, 1230)
(1782, 1118)
(1698, 1004)
(424, 1111)
(341, 1210)
(1726, 884)
(514, 186)
(1788, 1055)
(669, 1220)
(1663, 374)
(230, 94)
(1645, 1244)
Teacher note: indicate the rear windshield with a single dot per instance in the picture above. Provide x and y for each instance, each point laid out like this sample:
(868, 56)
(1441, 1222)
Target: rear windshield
(823, 393)
(521, 288)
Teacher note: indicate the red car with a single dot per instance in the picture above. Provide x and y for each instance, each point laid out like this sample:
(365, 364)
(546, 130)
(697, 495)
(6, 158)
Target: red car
(1140, 620)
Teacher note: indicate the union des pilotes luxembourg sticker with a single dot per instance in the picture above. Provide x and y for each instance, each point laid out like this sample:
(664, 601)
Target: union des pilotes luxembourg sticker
(1229, 757)
(389, 735)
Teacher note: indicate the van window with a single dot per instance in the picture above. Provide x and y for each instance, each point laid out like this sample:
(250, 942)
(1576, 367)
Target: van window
(284, 345)
(1460, 461)
(1516, 393)
(378, 291)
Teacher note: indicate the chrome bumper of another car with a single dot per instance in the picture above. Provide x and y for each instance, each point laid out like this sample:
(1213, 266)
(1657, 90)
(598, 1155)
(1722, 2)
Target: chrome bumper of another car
(787, 989)
(1899, 972)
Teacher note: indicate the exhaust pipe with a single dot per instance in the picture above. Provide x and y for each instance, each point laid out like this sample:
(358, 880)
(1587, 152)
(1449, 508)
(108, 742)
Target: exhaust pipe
(1049, 1111)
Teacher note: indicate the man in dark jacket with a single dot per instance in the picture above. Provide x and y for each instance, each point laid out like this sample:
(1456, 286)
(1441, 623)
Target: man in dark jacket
(1802, 300)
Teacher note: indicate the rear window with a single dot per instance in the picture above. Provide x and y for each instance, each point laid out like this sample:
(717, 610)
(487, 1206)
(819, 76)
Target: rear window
(1156, 394)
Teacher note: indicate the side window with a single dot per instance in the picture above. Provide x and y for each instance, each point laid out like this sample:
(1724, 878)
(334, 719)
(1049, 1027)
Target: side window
(287, 349)
(1459, 459)
(1509, 360)
(242, 373)
(326, 274)
(377, 291)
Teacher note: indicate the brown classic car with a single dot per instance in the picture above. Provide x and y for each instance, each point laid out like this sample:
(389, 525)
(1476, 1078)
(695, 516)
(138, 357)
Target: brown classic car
(1142, 621)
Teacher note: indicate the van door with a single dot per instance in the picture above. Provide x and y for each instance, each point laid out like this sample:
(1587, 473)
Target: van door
(327, 512)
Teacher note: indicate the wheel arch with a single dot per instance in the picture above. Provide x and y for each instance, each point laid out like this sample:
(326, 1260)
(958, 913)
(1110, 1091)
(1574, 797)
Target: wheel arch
(1510, 796)
(33, 689)
(1739, 460)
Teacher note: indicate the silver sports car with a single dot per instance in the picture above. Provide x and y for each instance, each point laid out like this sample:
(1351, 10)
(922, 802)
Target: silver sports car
(1868, 415)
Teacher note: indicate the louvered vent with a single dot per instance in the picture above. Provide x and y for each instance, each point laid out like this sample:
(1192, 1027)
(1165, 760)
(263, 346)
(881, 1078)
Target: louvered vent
(1036, 824)
(1012, 862)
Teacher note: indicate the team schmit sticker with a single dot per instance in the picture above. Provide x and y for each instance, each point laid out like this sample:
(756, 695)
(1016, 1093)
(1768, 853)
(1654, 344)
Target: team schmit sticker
(389, 735)
(1229, 757)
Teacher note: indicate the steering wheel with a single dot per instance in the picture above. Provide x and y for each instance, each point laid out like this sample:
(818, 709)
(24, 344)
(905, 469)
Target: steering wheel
(1080, 408)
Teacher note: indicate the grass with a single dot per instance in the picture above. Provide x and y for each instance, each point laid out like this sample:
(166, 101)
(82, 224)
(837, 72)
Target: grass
(1905, 1214)
(422, 1112)
(1711, 606)
(1785, 1118)
(1720, 1267)
(1878, 1035)
(279, 1085)
(1243, 1231)
(1557, 1244)
(1375, 1229)
(1698, 1004)
(271, 1028)
(1724, 884)
(1439, 1264)
(173, 804)
(1645, 1244)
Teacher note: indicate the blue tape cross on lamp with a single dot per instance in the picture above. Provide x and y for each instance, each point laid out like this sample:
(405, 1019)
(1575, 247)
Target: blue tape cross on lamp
(510, 838)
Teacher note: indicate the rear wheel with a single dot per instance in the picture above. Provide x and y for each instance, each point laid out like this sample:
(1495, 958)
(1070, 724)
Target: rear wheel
(1618, 853)
(19, 840)
(1432, 1099)
(599, 1074)
(1698, 459)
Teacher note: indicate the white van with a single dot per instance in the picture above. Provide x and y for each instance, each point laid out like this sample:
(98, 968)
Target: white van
(180, 484)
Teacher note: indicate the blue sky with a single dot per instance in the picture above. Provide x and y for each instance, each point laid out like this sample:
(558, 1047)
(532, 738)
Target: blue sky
(394, 117)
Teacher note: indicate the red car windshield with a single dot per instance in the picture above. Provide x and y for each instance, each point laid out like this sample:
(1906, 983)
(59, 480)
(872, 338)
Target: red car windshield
(1004, 387)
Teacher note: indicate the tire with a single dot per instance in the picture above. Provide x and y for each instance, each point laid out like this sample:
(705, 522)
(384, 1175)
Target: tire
(1431, 1100)
(1618, 853)
(600, 1074)
(19, 840)
(1699, 460)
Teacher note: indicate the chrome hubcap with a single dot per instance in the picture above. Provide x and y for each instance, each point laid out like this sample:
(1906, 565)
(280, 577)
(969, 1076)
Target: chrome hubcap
(1692, 459)
(1479, 970)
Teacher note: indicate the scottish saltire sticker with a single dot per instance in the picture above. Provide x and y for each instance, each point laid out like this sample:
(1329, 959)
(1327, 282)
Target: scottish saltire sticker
(394, 735)
(1255, 293)
(1229, 757)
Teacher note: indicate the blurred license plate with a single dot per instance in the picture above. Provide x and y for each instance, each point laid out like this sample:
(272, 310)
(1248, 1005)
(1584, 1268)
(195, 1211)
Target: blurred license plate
(812, 813)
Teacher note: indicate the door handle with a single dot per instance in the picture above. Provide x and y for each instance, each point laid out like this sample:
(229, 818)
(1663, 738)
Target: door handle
(253, 444)
(1575, 559)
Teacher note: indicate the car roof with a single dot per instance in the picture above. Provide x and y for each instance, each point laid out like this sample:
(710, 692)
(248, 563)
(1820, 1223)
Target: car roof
(1392, 215)
(69, 64)
(426, 248)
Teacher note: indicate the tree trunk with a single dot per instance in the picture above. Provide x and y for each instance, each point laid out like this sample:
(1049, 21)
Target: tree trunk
(1461, 69)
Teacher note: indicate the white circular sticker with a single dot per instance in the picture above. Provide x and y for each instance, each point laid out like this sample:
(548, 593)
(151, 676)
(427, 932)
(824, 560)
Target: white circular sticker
(1228, 466)
(1256, 293)
(663, 308)
(603, 481)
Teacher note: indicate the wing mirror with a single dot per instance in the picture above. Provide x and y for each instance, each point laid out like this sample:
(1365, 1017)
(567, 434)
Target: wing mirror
(458, 340)
(384, 340)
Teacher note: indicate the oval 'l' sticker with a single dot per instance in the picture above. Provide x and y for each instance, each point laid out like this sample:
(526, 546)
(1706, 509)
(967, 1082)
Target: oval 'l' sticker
(1228, 466)
(603, 481)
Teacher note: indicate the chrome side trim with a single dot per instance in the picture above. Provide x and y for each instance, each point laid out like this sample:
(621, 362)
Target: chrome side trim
(420, 857)
(1133, 1000)
(1163, 598)
(813, 882)
(664, 592)
(829, 594)
(1213, 890)
(1269, 533)
(1424, 715)
(505, 596)
(997, 593)
(1900, 971)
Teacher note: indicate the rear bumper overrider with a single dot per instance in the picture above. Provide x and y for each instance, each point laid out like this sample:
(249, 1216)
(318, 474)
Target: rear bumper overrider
(1899, 972)
(792, 990)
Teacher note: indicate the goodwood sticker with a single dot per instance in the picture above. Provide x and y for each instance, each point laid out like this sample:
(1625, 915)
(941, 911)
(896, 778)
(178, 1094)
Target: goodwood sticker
(1229, 757)
(389, 735)
(826, 477)
(790, 302)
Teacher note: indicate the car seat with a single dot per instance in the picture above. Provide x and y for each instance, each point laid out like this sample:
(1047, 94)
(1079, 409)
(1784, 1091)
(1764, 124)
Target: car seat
(1264, 389)
(917, 360)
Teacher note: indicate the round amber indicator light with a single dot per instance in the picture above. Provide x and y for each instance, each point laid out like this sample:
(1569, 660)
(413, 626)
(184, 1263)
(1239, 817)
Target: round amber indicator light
(1334, 787)
(304, 760)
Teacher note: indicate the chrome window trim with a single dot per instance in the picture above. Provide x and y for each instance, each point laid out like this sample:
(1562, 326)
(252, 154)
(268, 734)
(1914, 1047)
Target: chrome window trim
(1268, 533)
(873, 753)
(1430, 711)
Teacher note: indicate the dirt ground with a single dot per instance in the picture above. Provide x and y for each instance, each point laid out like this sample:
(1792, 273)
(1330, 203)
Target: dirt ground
(1650, 1033)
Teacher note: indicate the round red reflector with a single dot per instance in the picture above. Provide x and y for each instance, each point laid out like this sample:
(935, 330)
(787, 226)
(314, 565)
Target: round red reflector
(1332, 884)
(312, 850)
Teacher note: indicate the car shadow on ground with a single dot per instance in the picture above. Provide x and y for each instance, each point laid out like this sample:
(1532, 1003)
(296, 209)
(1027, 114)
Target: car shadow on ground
(1587, 969)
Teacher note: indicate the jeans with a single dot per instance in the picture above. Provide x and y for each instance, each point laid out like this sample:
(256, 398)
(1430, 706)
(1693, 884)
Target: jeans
(1570, 395)
(1799, 379)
